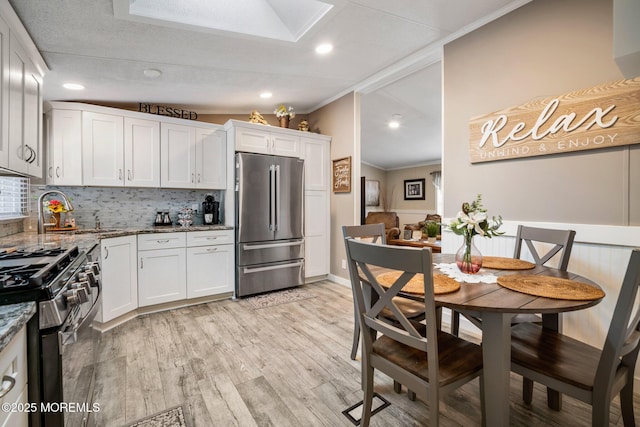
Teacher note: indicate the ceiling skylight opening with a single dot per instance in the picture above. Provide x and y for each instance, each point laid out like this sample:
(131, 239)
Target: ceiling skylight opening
(73, 86)
(324, 48)
(286, 20)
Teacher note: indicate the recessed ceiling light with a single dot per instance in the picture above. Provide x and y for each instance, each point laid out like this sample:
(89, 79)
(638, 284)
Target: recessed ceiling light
(266, 95)
(395, 121)
(73, 86)
(324, 48)
(152, 73)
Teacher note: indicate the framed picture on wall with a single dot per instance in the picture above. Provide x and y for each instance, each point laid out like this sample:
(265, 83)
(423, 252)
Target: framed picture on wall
(372, 193)
(342, 175)
(414, 189)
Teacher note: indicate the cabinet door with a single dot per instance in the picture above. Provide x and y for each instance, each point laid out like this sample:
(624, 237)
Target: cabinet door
(316, 164)
(32, 119)
(211, 161)
(285, 145)
(253, 141)
(18, 65)
(102, 149)
(4, 94)
(316, 245)
(162, 276)
(119, 276)
(210, 270)
(177, 154)
(142, 152)
(65, 147)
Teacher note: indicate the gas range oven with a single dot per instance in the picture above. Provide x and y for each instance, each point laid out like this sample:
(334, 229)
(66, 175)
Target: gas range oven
(65, 284)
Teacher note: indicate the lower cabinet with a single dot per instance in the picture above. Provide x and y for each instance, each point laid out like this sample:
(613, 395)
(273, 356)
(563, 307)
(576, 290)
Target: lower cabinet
(119, 277)
(162, 276)
(13, 363)
(210, 270)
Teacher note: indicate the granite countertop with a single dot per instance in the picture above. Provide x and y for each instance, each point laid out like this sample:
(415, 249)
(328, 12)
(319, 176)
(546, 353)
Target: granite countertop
(86, 238)
(12, 318)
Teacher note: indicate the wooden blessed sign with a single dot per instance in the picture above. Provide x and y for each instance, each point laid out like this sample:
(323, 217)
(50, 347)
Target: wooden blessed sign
(342, 175)
(602, 116)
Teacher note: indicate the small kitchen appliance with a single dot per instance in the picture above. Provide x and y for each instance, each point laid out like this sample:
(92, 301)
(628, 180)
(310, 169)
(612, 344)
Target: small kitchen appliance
(210, 210)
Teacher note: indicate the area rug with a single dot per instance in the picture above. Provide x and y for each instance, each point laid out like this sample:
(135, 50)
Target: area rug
(276, 298)
(354, 413)
(173, 417)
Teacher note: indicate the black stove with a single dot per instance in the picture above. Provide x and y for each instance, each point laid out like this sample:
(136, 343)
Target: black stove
(65, 284)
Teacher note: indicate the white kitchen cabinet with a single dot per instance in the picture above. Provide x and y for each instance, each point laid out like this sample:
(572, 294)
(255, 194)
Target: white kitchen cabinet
(102, 149)
(192, 157)
(210, 263)
(25, 112)
(120, 151)
(211, 158)
(162, 268)
(64, 147)
(317, 184)
(13, 362)
(254, 138)
(119, 277)
(141, 152)
(4, 94)
(177, 154)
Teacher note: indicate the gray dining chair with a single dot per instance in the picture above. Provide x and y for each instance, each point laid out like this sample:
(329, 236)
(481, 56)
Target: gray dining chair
(563, 243)
(427, 360)
(412, 309)
(579, 370)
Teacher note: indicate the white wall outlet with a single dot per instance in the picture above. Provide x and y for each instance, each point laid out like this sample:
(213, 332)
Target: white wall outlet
(344, 264)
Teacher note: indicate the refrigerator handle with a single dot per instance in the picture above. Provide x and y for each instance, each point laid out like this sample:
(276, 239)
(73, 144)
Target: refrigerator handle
(276, 209)
(272, 195)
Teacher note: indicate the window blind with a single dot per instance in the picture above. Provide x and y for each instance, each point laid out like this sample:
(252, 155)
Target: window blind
(14, 197)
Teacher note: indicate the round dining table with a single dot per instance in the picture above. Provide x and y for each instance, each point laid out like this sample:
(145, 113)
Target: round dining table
(497, 305)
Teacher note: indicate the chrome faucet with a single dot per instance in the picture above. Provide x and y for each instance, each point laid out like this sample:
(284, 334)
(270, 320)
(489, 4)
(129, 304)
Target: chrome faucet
(67, 205)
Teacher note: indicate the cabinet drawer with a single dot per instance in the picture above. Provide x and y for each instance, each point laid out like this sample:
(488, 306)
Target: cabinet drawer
(13, 362)
(161, 241)
(208, 238)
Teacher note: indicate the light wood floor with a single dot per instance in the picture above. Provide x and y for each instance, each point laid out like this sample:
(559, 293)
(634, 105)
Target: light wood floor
(287, 365)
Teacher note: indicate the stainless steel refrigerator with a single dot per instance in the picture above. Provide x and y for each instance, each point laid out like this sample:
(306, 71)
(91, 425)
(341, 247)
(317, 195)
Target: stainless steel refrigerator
(269, 223)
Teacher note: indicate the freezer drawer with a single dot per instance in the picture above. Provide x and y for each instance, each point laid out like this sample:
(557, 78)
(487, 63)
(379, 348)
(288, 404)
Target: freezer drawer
(272, 251)
(260, 278)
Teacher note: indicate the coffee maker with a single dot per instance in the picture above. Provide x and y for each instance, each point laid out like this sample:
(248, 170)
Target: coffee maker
(210, 210)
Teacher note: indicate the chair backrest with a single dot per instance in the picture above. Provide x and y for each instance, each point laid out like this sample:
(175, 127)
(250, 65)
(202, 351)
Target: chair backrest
(373, 231)
(621, 346)
(366, 261)
(562, 239)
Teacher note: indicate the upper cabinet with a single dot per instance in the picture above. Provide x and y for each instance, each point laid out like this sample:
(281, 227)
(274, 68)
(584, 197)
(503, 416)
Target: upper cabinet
(256, 138)
(64, 147)
(22, 70)
(141, 152)
(193, 157)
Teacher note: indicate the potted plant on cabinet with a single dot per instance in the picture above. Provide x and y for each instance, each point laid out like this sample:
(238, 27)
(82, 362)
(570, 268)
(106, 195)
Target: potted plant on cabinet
(431, 229)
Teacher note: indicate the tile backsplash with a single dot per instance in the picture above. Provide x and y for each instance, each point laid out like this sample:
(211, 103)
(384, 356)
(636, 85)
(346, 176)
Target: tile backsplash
(125, 207)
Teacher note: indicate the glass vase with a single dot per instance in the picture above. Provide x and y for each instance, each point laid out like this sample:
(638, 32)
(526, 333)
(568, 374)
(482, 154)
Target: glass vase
(468, 257)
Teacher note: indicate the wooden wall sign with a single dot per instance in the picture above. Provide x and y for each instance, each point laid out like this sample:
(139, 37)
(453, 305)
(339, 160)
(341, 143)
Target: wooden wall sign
(599, 117)
(342, 175)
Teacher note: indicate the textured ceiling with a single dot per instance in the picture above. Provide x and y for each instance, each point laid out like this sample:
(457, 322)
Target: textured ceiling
(224, 72)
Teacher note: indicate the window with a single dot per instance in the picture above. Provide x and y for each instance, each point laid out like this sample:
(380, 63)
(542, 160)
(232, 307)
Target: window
(14, 197)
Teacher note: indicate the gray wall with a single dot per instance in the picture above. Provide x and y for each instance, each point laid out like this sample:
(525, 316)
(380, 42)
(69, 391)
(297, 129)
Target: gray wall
(544, 48)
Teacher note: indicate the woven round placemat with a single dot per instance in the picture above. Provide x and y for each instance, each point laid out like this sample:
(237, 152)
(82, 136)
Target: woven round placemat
(500, 263)
(551, 287)
(441, 283)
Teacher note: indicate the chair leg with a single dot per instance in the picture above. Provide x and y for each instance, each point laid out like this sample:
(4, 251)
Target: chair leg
(411, 395)
(367, 382)
(527, 390)
(397, 387)
(626, 404)
(455, 322)
(482, 398)
(356, 336)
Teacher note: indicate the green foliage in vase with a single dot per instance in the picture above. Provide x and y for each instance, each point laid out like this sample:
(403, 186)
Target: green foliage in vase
(473, 219)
